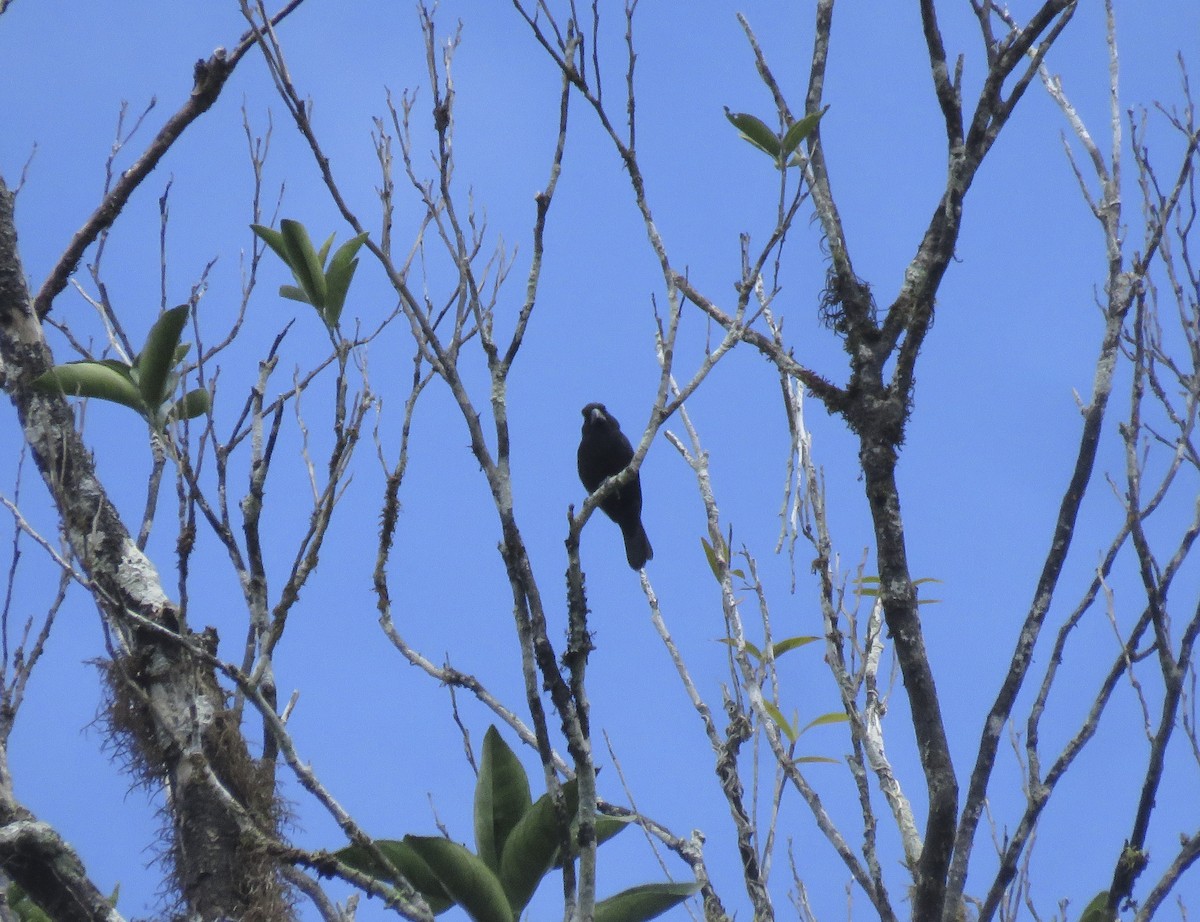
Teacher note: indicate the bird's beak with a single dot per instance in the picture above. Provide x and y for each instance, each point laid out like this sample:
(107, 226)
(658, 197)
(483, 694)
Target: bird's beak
(597, 415)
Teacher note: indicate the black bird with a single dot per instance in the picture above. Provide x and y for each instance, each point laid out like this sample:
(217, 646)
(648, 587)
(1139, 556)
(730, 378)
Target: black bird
(604, 451)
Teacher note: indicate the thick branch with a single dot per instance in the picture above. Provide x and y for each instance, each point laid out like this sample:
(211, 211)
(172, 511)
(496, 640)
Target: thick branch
(50, 873)
(169, 705)
(947, 91)
(899, 597)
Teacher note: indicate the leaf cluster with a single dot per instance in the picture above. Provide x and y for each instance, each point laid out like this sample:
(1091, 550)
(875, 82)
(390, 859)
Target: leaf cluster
(146, 385)
(518, 841)
(868, 587)
(323, 287)
(781, 148)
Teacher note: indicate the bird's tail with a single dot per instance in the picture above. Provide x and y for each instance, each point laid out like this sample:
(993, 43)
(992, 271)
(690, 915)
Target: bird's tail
(637, 545)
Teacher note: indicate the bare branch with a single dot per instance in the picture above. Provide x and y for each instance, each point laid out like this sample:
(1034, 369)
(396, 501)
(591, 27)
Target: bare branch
(209, 76)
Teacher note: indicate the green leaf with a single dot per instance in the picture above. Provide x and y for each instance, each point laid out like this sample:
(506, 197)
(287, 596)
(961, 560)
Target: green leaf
(296, 294)
(338, 276)
(637, 904)
(801, 759)
(121, 368)
(833, 717)
(862, 582)
(784, 724)
(750, 648)
(273, 239)
(501, 797)
(337, 283)
(405, 860)
(532, 846)
(464, 877)
(323, 253)
(157, 358)
(755, 130)
(100, 380)
(798, 131)
(302, 259)
(190, 405)
(781, 647)
(927, 579)
(1097, 909)
(713, 563)
(347, 251)
(608, 827)
(711, 557)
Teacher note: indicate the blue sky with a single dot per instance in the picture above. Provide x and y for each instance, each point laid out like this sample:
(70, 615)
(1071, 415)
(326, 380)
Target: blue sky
(986, 458)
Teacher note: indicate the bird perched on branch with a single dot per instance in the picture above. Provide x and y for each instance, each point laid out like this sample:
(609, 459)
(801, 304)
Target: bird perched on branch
(604, 451)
